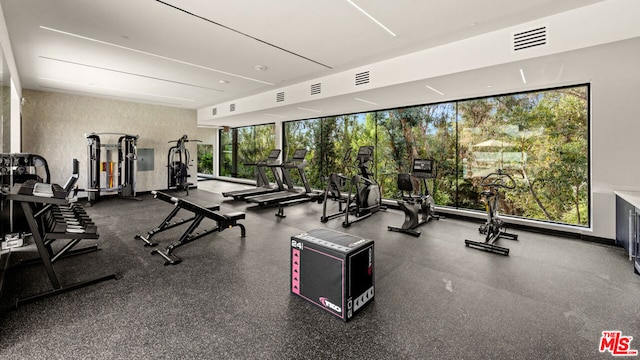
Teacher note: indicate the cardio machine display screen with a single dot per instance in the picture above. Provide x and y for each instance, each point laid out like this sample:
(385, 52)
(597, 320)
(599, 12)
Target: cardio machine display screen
(365, 153)
(300, 154)
(423, 166)
(274, 154)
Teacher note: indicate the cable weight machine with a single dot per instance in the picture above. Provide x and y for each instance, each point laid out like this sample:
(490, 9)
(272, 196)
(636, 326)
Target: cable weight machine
(178, 162)
(16, 168)
(107, 176)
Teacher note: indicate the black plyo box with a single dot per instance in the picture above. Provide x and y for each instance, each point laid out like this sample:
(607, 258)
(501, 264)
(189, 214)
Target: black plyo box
(333, 270)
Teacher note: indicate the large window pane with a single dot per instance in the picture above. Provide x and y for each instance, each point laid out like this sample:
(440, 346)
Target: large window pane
(305, 134)
(418, 132)
(226, 152)
(541, 139)
(251, 144)
(205, 159)
(341, 137)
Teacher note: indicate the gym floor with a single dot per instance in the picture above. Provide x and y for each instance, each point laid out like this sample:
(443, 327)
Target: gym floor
(551, 298)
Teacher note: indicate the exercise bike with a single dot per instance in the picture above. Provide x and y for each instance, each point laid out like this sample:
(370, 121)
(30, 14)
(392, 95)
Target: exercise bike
(364, 198)
(494, 228)
(336, 182)
(413, 205)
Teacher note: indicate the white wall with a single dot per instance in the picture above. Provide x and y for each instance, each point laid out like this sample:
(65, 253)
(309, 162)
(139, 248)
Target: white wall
(54, 126)
(615, 120)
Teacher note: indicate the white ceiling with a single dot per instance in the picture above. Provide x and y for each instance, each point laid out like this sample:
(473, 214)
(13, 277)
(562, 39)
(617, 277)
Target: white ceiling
(194, 54)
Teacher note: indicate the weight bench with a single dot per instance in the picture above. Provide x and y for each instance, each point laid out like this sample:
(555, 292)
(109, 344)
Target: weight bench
(166, 224)
(223, 221)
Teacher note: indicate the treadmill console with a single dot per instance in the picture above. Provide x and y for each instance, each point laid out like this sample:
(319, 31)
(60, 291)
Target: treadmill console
(299, 155)
(274, 154)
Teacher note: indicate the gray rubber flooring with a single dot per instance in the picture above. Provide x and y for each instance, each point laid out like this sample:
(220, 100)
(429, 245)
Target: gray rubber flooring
(551, 298)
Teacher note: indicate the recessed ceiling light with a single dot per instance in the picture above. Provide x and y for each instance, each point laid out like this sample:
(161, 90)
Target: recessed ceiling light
(223, 82)
(151, 54)
(312, 110)
(365, 101)
(260, 68)
(113, 89)
(434, 90)
(524, 80)
(371, 17)
(274, 115)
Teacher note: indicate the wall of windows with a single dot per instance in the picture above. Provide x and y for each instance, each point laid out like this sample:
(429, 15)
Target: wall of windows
(242, 147)
(540, 138)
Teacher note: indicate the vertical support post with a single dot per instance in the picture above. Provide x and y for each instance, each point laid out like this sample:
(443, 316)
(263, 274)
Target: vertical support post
(234, 153)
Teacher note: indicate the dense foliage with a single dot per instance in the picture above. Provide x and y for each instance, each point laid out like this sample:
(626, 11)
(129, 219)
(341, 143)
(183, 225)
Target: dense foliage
(540, 138)
(205, 159)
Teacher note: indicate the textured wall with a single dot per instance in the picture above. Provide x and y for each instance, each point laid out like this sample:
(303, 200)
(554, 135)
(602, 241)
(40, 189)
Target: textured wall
(54, 125)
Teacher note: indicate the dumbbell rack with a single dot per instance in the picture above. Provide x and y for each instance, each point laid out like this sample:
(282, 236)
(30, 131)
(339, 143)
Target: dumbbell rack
(51, 219)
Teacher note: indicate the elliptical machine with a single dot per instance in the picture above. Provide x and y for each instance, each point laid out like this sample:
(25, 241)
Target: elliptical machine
(336, 182)
(423, 203)
(178, 160)
(364, 196)
(494, 228)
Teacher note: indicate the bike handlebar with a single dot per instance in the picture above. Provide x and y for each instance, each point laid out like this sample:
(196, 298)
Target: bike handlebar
(499, 180)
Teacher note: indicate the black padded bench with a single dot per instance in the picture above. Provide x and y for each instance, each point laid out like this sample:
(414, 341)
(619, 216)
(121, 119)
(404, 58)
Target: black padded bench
(168, 222)
(223, 221)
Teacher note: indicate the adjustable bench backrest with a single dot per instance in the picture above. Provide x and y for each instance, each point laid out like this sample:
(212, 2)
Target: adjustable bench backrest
(223, 221)
(201, 210)
(197, 209)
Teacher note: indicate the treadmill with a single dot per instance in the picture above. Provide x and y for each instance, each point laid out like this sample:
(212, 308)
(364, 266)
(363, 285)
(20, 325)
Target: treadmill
(297, 162)
(263, 185)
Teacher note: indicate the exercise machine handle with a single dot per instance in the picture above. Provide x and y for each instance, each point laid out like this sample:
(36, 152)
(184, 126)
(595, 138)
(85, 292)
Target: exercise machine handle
(499, 179)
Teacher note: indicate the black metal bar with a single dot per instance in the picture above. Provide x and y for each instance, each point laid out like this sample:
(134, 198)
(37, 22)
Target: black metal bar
(487, 247)
(42, 249)
(65, 289)
(415, 233)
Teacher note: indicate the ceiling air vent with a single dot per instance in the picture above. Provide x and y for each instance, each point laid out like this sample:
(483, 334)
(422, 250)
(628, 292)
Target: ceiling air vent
(214, 111)
(316, 89)
(280, 97)
(362, 78)
(232, 107)
(530, 38)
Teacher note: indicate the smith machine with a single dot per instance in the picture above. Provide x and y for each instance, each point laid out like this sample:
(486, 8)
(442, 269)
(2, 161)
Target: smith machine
(107, 176)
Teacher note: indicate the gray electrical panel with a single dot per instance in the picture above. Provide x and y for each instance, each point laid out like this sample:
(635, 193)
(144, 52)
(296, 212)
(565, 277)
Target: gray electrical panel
(145, 160)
